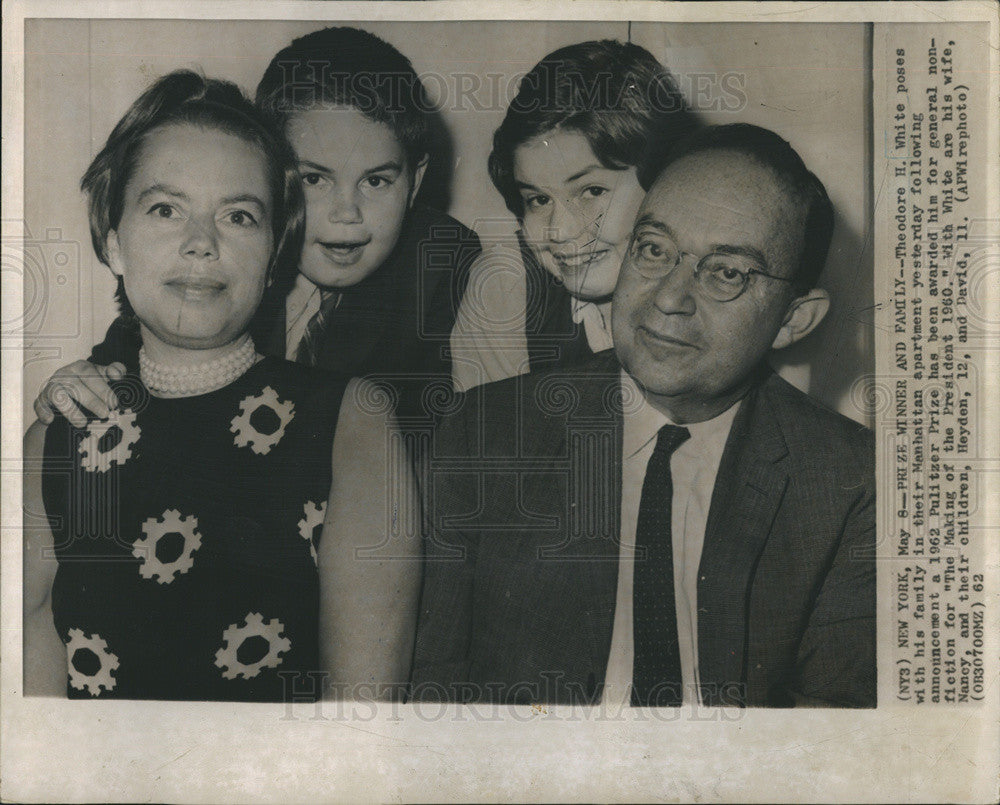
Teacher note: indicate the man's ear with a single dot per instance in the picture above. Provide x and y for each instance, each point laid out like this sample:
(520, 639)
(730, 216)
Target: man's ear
(802, 317)
(418, 177)
(114, 252)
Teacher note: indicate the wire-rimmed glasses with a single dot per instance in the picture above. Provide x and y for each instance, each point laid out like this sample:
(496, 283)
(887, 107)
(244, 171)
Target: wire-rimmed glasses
(720, 275)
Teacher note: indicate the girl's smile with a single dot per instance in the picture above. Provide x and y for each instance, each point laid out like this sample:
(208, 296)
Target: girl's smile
(578, 213)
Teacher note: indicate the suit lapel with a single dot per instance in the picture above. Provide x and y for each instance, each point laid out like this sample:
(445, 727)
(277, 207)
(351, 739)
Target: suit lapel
(601, 402)
(748, 489)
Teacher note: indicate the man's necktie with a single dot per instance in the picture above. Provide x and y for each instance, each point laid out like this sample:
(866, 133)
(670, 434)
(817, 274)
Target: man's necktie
(656, 666)
(312, 338)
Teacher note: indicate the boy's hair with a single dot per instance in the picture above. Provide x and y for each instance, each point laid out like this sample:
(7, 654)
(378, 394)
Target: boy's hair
(184, 97)
(771, 151)
(615, 94)
(349, 67)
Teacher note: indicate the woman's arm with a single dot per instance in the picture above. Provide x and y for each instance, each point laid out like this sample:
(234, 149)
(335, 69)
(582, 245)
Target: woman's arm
(44, 653)
(369, 555)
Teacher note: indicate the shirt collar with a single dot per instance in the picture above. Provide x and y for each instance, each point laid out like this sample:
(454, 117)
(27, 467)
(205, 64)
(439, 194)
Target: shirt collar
(301, 291)
(643, 422)
(581, 308)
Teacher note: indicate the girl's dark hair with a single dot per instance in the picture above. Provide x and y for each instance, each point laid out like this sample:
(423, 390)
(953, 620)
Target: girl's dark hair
(615, 94)
(349, 67)
(185, 97)
(770, 150)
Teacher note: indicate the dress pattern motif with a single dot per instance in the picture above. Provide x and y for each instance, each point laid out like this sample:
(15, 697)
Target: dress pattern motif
(186, 533)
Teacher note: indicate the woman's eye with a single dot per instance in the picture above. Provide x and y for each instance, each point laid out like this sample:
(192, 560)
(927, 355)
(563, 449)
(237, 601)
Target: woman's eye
(536, 202)
(163, 210)
(376, 182)
(312, 179)
(241, 218)
(594, 191)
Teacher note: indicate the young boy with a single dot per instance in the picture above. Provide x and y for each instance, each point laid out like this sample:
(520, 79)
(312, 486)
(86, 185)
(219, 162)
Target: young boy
(380, 276)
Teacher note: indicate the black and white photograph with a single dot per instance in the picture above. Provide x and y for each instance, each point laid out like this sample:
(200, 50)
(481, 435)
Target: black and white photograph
(508, 402)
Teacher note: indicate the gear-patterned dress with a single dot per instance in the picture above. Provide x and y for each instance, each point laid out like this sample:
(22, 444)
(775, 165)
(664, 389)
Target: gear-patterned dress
(186, 533)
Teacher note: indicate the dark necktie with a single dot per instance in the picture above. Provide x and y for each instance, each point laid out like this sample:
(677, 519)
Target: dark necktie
(312, 338)
(656, 665)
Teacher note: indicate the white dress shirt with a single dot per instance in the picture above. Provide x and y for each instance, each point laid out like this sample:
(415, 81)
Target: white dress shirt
(596, 318)
(301, 304)
(693, 468)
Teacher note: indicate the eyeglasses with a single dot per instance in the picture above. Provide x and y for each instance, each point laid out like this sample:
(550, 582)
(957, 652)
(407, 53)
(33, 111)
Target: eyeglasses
(720, 276)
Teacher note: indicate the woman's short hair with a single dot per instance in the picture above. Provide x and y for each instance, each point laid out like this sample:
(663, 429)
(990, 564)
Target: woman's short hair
(348, 67)
(617, 95)
(771, 151)
(185, 97)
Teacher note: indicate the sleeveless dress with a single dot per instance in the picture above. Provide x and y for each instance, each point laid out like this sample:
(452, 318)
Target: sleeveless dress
(186, 533)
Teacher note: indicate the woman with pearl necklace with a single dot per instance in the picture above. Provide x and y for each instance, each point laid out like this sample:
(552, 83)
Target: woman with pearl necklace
(240, 528)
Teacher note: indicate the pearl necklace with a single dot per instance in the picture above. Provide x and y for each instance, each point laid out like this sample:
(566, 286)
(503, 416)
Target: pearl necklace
(165, 380)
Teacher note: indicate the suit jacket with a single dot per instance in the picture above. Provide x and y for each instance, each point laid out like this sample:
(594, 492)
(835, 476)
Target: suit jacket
(521, 576)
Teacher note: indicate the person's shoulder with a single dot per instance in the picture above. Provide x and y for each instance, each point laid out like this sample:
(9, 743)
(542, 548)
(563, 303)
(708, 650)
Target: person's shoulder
(535, 414)
(34, 440)
(503, 249)
(299, 380)
(815, 430)
(121, 343)
(589, 389)
(496, 291)
(440, 227)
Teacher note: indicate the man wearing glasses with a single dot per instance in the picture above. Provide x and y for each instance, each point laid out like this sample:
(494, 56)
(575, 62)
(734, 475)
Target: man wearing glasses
(674, 523)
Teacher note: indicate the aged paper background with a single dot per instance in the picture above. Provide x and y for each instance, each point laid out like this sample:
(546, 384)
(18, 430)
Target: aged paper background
(135, 751)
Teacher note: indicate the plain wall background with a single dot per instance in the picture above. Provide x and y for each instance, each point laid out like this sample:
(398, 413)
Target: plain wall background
(807, 82)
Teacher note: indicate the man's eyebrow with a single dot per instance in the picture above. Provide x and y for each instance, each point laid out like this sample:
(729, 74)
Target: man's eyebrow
(163, 189)
(742, 251)
(655, 223)
(720, 248)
